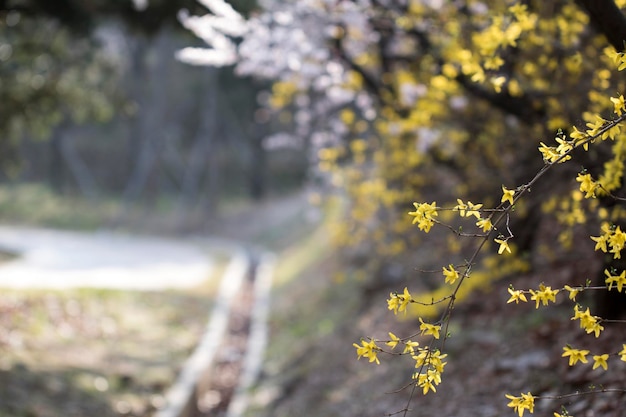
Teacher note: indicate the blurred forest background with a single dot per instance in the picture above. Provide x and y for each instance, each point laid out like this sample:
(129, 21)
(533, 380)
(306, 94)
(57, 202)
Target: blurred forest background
(100, 121)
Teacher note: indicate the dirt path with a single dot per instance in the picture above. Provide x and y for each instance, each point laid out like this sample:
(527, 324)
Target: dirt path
(62, 259)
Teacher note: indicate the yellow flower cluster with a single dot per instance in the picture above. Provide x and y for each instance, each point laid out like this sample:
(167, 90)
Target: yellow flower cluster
(575, 355)
(611, 240)
(504, 245)
(507, 196)
(544, 295)
(573, 292)
(580, 355)
(553, 154)
(429, 329)
(398, 302)
(516, 296)
(619, 105)
(617, 280)
(479, 59)
(598, 127)
(521, 403)
(485, 224)
(424, 215)
(283, 93)
(468, 209)
(591, 324)
(430, 361)
(450, 274)
(619, 58)
(587, 185)
(504, 31)
(368, 350)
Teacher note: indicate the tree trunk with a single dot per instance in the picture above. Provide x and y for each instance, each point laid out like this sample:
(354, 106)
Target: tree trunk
(607, 19)
(56, 169)
(199, 154)
(257, 175)
(79, 170)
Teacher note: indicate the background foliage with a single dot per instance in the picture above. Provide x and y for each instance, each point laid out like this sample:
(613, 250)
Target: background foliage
(93, 104)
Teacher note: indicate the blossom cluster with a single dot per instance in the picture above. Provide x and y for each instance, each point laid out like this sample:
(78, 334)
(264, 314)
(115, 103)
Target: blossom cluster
(612, 240)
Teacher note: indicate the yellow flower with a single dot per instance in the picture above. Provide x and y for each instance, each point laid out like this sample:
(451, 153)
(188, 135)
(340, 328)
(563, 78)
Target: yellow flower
(393, 303)
(420, 358)
(587, 185)
(473, 209)
(460, 207)
(618, 280)
(595, 328)
(516, 295)
(573, 292)
(587, 322)
(432, 361)
(493, 63)
(548, 153)
(575, 355)
(616, 240)
(519, 10)
(595, 128)
(497, 83)
(622, 353)
(428, 381)
(436, 360)
(507, 195)
(424, 215)
(467, 210)
(409, 346)
(525, 402)
(579, 137)
(563, 148)
(451, 274)
(484, 224)
(368, 350)
(429, 329)
(600, 242)
(394, 341)
(504, 246)
(600, 361)
(617, 57)
(619, 106)
(543, 295)
(398, 302)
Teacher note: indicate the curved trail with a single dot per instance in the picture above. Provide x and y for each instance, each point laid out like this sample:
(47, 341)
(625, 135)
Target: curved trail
(63, 259)
(181, 395)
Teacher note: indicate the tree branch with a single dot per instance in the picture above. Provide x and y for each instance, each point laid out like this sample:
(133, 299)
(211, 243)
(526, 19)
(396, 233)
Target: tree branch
(522, 107)
(608, 19)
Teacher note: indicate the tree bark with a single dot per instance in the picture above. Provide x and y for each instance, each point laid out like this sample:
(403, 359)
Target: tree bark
(56, 169)
(607, 19)
(77, 167)
(199, 154)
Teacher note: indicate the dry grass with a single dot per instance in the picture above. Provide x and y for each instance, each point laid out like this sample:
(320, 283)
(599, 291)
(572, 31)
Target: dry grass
(64, 353)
